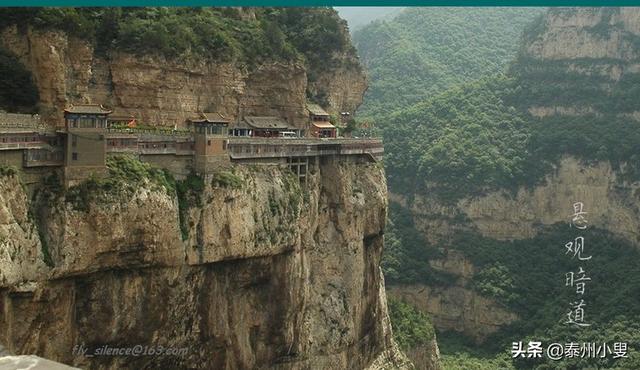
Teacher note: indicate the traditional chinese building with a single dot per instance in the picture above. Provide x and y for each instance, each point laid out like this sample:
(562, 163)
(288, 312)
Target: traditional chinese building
(210, 134)
(121, 120)
(80, 149)
(267, 126)
(320, 122)
(24, 143)
(85, 143)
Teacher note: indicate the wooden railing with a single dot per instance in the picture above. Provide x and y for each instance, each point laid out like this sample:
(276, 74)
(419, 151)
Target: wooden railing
(23, 145)
(149, 131)
(246, 148)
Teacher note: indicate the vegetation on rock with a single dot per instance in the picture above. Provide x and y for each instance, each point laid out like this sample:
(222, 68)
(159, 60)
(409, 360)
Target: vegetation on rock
(126, 175)
(460, 135)
(8, 171)
(411, 327)
(227, 179)
(226, 34)
(423, 51)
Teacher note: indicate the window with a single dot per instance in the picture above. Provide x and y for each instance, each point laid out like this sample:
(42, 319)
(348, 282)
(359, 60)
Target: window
(74, 140)
(74, 156)
(86, 122)
(209, 142)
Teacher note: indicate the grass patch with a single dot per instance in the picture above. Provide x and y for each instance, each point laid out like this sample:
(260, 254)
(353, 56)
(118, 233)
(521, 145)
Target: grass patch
(227, 179)
(126, 174)
(411, 327)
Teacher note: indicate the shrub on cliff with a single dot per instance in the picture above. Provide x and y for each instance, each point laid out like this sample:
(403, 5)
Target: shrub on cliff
(495, 281)
(227, 179)
(8, 171)
(125, 175)
(411, 327)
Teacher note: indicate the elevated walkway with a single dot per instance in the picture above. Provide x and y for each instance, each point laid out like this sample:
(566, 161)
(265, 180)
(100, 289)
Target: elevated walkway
(247, 149)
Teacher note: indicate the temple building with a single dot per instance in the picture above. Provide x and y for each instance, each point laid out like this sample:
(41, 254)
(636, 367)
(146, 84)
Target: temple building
(321, 126)
(85, 143)
(79, 150)
(266, 126)
(210, 133)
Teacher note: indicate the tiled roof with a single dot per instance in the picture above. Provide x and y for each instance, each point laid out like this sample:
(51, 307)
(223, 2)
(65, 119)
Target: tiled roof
(211, 117)
(265, 122)
(316, 110)
(87, 109)
(19, 120)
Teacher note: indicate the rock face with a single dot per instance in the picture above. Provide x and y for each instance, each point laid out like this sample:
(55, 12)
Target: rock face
(425, 356)
(611, 204)
(21, 254)
(167, 92)
(457, 307)
(593, 33)
(598, 46)
(343, 86)
(270, 275)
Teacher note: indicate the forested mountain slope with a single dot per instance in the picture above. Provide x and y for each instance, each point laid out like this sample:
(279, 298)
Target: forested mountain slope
(423, 51)
(484, 175)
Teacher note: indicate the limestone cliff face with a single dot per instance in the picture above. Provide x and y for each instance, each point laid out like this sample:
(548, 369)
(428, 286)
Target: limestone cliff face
(457, 307)
(572, 34)
(166, 92)
(270, 275)
(611, 203)
(21, 255)
(596, 43)
(343, 85)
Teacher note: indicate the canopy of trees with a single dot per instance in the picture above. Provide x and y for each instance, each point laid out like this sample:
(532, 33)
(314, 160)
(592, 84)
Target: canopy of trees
(423, 51)
(258, 34)
(464, 130)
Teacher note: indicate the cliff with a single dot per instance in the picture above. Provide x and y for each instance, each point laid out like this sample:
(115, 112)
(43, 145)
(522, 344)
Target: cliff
(586, 57)
(165, 90)
(266, 273)
(457, 307)
(506, 216)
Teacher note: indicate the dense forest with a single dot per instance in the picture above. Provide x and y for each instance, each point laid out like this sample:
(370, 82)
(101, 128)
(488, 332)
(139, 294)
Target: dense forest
(423, 51)
(456, 124)
(225, 34)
